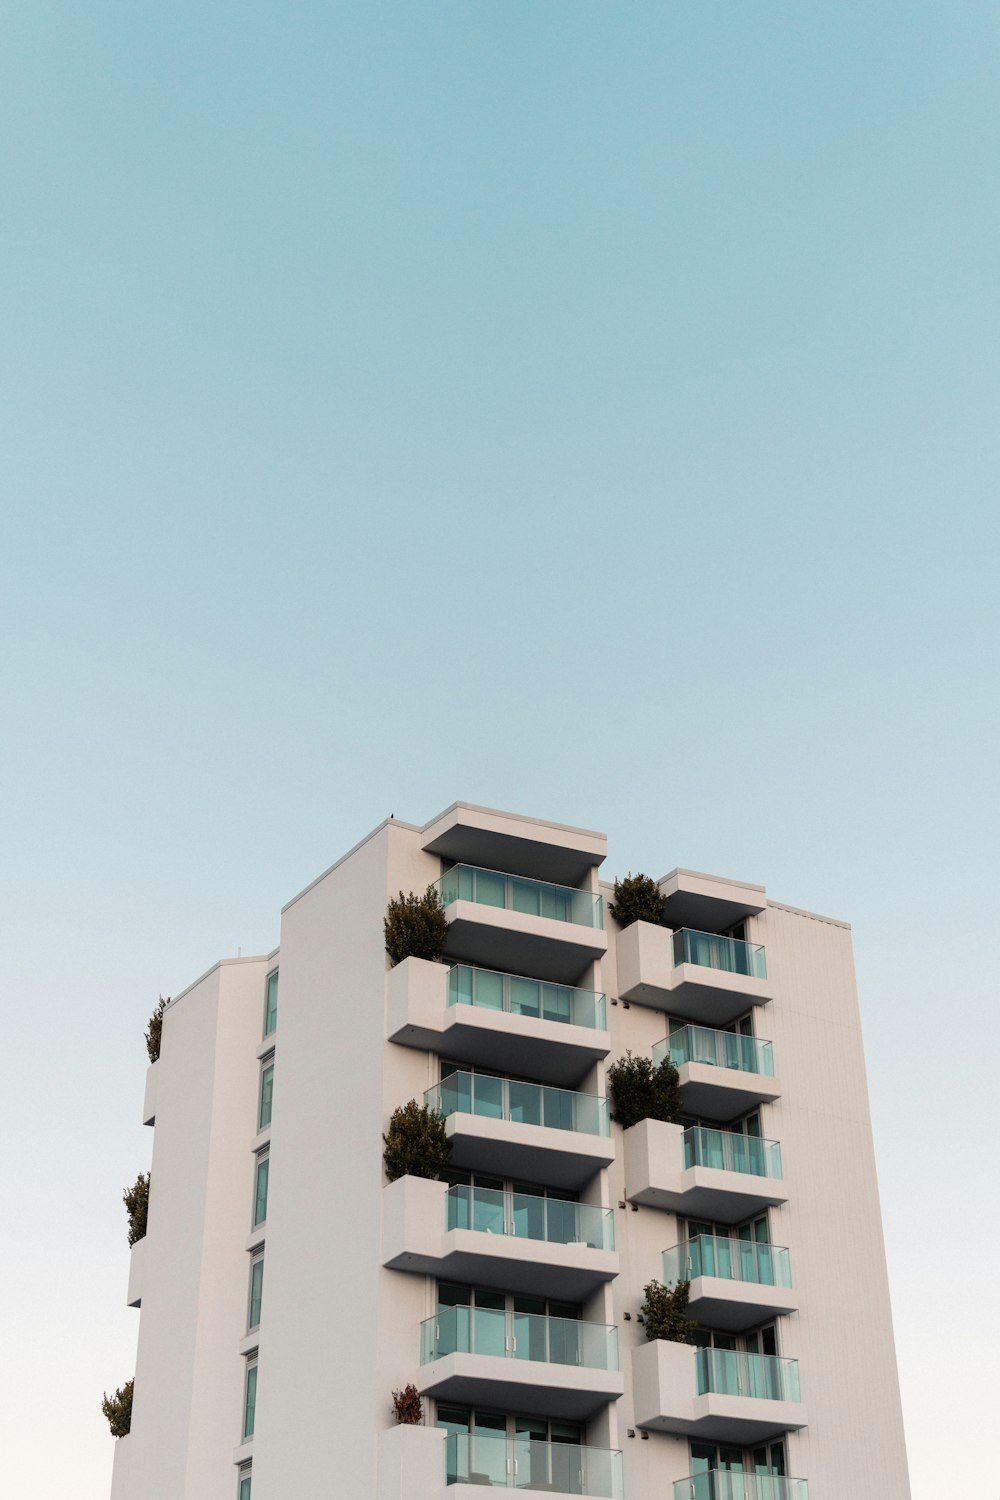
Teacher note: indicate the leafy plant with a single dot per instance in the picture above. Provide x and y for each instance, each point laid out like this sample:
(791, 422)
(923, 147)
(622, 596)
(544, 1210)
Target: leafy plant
(415, 926)
(637, 899)
(154, 1032)
(416, 1143)
(407, 1406)
(118, 1410)
(641, 1092)
(665, 1312)
(136, 1200)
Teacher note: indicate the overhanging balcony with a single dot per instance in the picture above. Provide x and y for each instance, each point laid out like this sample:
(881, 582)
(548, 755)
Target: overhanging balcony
(722, 1073)
(552, 1367)
(720, 1395)
(526, 1463)
(524, 1130)
(517, 1242)
(735, 1284)
(735, 1484)
(700, 976)
(555, 1031)
(499, 921)
(702, 1174)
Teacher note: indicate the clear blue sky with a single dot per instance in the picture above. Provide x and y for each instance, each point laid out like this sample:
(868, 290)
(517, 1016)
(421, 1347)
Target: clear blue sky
(584, 409)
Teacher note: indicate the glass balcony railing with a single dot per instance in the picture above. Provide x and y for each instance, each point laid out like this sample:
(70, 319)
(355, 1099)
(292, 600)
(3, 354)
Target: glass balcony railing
(527, 1463)
(729, 1259)
(730, 1372)
(731, 1152)
(526, 997)
(536, 898)
(514, 1335)
(720, 1049)
(530, 1216)
(734, 1484)
(521, 1103)
(715, 952)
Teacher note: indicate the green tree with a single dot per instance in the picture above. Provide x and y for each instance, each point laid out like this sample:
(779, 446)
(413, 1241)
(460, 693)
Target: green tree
(637, 899)
(136, 1200)
(118, 1410)
(416, 1143)
(154, 1032)
(641, 1092)
(415, 926)
(665, 1312)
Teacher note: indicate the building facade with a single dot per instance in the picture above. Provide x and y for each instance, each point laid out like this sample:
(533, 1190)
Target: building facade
(287, 1289)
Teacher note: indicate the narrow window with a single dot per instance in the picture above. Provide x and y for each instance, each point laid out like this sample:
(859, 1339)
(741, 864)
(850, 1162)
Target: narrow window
(266, 1095)
(271, 1007)
(256, 1289)
(244, 1486)
(250, 1401)
(260, 1191)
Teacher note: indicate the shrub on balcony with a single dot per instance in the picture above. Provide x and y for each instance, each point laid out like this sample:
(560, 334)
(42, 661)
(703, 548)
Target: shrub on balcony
(641, 1092)
(637, 899)
(416, 1143)
(415, 926)
(154, 1031)
(665, 1312)
(136, 1200)
(407, 1406)
(118, 1410)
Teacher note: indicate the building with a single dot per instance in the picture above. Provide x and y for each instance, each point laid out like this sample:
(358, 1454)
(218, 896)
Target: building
(287, 1289)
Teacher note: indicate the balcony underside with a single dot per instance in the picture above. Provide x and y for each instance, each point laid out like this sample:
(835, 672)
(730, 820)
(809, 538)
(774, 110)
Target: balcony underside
(730, 1419)
(565, 1392)
(723, 1093)
(532, 1153)
(493, 937)
(711, 1193)
(737, 1305)
(520, 846)
(547, 1050)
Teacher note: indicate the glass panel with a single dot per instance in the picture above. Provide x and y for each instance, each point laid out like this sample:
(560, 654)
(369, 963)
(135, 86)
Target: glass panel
(488, 988)
(517, 1335)
(260, 1193)
(271, 1007)
(530, 1216)
(461, 985)
(713, 951)
(731, 1151)
(245, 1487)
(250, 1403)
(266, 1096)
(535, 898)
(256, 1288)
(528, 1462)
(526, 1103)
(734, 1373)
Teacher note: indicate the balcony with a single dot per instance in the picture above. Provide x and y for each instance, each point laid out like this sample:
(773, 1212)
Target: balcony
(555, 1031)
(722, 1073)
(735, 1284)
(517, 1242)
(720, 1395)
(552, 1367)
(524, 1130)
(734, 1484)
(525, 1463)
(507, 922)
(701, 1173)
(705, 978)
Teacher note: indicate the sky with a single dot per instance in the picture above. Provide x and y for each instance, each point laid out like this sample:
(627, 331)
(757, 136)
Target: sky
(581, 409)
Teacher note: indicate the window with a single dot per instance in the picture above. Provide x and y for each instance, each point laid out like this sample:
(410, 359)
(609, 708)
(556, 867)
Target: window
(266, 1095)
(250, 1400)
(271, 1005)
(256, 1288)
(260, 1191)
(244, 1486)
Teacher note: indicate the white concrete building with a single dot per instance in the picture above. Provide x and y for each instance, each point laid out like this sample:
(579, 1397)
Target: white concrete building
(287, 1289)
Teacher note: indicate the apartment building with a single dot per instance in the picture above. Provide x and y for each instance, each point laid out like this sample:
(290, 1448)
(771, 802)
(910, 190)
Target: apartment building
(287, 1289)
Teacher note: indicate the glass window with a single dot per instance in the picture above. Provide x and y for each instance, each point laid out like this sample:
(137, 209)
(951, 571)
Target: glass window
(260, 1191)
(244, 1487)
(250, 1401)
(256, 1288)
(271, 1007)
(266, 1095)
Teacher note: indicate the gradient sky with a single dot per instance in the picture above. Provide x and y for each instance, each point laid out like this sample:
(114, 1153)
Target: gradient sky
(583, 409)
